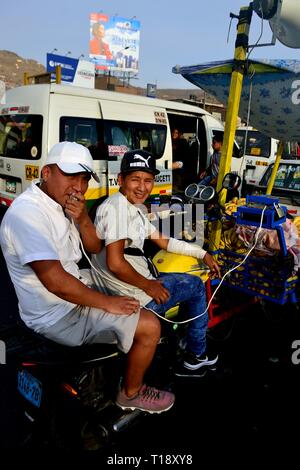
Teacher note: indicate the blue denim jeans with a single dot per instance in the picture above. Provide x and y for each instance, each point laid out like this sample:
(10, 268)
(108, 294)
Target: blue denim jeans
(191, 290)
(206, 180)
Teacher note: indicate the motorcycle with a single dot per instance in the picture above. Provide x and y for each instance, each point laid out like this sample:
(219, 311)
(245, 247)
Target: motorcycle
(66, 394)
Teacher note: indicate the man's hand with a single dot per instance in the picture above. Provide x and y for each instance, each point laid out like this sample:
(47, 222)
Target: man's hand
(75, 207)
(157, 291)
(212, 264)
(120, 305)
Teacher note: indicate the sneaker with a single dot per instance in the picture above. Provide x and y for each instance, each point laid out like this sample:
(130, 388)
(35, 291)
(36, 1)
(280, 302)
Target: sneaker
(196, 366)
(193, 362)
(182, 371)
(147, 399)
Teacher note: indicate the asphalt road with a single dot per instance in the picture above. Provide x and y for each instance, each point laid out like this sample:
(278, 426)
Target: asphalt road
(251, 404)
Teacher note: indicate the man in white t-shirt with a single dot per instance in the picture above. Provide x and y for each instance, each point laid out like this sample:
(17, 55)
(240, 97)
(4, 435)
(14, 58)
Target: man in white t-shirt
(40, 238)
(122, 224)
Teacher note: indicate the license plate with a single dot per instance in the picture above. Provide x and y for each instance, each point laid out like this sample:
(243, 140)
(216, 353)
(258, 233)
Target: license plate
(11, 186)
(31, 172)
(30, 387)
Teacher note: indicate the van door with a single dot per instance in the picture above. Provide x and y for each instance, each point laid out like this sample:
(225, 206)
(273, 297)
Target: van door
(129, 126)
(192, 131)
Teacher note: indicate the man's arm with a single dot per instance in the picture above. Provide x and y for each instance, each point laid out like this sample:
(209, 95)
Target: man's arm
(183, 248)
(76, 208)
(123, 270)
(59, 282)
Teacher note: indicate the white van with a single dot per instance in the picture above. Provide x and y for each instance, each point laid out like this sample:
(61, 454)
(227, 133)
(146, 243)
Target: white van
(259, 152)
(35, 117)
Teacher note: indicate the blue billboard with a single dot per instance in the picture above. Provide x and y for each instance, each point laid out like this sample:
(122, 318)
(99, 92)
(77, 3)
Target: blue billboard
(73, 71)
(68, 66)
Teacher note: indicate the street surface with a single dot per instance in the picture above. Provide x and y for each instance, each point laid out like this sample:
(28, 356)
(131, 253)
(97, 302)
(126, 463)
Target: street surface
(250, 404)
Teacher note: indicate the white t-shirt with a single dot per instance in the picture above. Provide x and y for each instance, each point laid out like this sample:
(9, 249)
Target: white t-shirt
(118, 219)
(36, 228)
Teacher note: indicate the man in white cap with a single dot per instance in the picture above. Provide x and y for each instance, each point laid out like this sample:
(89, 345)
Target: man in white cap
(41, 246)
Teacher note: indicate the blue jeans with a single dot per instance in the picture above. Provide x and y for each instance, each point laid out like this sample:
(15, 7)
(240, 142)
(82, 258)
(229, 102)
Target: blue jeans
(206, 180)
(189, 289)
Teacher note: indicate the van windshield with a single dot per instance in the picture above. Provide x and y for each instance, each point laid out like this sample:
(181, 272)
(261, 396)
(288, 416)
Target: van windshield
(21, 136)
(287, 176)
(258, 144)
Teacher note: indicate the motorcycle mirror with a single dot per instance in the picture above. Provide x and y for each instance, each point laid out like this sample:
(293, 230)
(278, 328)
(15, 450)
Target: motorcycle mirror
(231, 181)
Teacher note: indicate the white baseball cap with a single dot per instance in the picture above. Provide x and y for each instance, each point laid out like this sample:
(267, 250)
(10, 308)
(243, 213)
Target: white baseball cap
(71, 157)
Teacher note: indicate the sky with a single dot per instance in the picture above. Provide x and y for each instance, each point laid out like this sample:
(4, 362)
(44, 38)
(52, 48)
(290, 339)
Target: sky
(173, 32)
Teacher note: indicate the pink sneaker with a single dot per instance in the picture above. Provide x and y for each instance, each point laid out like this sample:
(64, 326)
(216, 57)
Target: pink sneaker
(148, 399)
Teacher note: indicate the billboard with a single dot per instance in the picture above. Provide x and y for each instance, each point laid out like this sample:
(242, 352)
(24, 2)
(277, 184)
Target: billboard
(114, 43)
(73, 71)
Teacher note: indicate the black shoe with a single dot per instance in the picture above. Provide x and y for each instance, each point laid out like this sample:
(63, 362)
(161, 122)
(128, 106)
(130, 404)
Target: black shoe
(193, 362)
(196, 366)
(182, 371)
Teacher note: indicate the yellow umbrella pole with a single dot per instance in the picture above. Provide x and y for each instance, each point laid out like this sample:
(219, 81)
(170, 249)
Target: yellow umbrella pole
(275, 168)
(235, 91)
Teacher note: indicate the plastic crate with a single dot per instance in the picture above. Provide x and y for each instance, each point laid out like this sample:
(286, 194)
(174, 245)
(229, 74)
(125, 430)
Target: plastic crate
(271, 278)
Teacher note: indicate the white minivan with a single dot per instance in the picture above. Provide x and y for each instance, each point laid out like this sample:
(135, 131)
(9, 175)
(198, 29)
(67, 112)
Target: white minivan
(35, 117)
(258, 152)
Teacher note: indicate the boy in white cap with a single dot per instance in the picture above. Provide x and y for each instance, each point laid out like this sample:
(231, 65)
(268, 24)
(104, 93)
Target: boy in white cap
(41, 246)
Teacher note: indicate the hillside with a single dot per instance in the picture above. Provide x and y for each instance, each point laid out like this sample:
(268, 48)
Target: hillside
(12, 68)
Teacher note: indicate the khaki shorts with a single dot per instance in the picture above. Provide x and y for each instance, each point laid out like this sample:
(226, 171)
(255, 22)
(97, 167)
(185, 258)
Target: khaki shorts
(87, 325)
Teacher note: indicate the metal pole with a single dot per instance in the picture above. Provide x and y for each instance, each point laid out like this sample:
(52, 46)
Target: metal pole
(25, 78)
(58, 74)
(235, 91)
(275, 168)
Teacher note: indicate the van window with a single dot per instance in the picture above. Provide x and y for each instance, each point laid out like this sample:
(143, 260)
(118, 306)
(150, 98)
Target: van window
(111, 139)
(258, 144)
(85, 131)
(134, 135)
(21, 136)
(287, 176)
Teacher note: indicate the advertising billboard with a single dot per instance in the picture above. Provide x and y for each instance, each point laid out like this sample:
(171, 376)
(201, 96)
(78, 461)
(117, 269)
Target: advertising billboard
(73, 71)
(114, 43)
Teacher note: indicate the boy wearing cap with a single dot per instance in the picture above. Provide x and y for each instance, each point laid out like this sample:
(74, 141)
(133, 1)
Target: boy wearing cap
(121, 223)
(41, 246)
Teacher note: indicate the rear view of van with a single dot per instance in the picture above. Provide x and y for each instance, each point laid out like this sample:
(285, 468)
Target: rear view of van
(258, 152)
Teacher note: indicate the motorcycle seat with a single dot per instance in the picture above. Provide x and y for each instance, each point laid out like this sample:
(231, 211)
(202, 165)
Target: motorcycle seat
(25, 345)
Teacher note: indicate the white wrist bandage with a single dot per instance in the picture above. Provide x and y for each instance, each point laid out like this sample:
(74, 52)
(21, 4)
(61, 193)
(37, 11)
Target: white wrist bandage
(183, 248)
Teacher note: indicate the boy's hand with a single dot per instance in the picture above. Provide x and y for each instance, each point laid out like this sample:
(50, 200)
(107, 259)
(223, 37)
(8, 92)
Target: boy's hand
(212, 264)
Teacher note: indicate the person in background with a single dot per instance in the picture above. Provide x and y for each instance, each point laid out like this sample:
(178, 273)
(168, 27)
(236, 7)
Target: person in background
(122, 224)
(97, 45)
(40, 239)
(180, 151)
(210, 176)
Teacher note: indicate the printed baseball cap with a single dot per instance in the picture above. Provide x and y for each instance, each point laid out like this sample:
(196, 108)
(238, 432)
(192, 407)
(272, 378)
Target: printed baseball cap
(138, 160)
(71, 158)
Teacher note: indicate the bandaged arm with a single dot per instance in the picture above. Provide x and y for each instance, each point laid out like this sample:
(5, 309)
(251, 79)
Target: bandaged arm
(181, 247)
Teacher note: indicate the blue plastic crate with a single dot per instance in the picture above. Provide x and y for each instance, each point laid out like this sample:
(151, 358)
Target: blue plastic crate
(263, 277)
